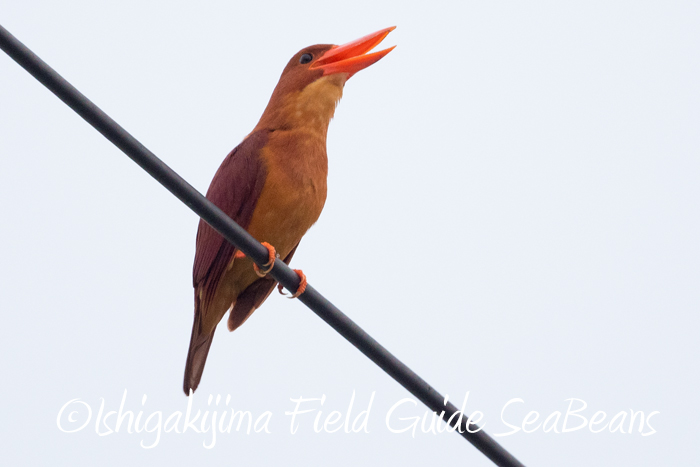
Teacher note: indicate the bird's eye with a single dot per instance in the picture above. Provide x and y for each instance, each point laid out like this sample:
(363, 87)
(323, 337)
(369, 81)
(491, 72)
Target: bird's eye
(305, 58)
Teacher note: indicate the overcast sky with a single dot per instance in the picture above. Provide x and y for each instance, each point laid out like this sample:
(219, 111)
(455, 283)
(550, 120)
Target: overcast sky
(512, 210)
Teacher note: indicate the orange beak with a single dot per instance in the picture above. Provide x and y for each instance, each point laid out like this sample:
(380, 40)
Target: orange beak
(352, 57)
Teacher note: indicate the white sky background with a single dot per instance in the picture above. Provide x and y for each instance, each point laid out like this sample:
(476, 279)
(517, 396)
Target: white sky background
(512, 210)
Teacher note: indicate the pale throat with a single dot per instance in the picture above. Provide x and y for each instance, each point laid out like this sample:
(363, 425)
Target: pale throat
(313, 107)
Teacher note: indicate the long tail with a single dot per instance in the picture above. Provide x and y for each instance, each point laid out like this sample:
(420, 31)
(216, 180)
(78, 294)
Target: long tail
(197, 355)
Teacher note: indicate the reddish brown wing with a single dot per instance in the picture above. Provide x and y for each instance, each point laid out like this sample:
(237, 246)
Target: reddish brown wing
(235, 189)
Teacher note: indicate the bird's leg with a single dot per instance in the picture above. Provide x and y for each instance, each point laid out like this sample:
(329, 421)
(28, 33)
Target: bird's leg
(302, 284)
(239, 254)
(267, 267)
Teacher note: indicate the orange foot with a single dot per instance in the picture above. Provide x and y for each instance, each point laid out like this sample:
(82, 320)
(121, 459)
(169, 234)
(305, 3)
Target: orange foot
(302, 284)
(267, 267)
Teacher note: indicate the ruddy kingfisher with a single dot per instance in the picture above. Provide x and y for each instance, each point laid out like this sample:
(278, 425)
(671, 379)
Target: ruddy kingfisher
(273, 184)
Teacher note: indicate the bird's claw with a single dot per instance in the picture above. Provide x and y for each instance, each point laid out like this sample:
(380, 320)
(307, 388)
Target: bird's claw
(300, 289)
(267, 267)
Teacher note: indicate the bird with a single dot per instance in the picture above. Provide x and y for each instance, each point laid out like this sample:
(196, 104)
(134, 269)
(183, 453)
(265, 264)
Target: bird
(273, 184)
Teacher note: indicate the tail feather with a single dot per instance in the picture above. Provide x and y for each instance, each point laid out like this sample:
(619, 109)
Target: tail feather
(196, 356)
(244, 305)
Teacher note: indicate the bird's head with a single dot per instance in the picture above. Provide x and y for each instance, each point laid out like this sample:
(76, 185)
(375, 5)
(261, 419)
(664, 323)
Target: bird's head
(312, 82)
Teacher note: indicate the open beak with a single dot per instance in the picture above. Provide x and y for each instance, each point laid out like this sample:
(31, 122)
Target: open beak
(352, 57)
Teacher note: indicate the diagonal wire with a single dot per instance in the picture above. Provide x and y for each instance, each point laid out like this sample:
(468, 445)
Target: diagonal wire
(237, 236)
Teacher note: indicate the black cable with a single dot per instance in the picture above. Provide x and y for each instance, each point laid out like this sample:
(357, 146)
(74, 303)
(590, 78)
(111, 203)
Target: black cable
(251, 247)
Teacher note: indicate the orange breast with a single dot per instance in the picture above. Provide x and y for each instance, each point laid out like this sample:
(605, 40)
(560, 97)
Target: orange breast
(295, 189)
